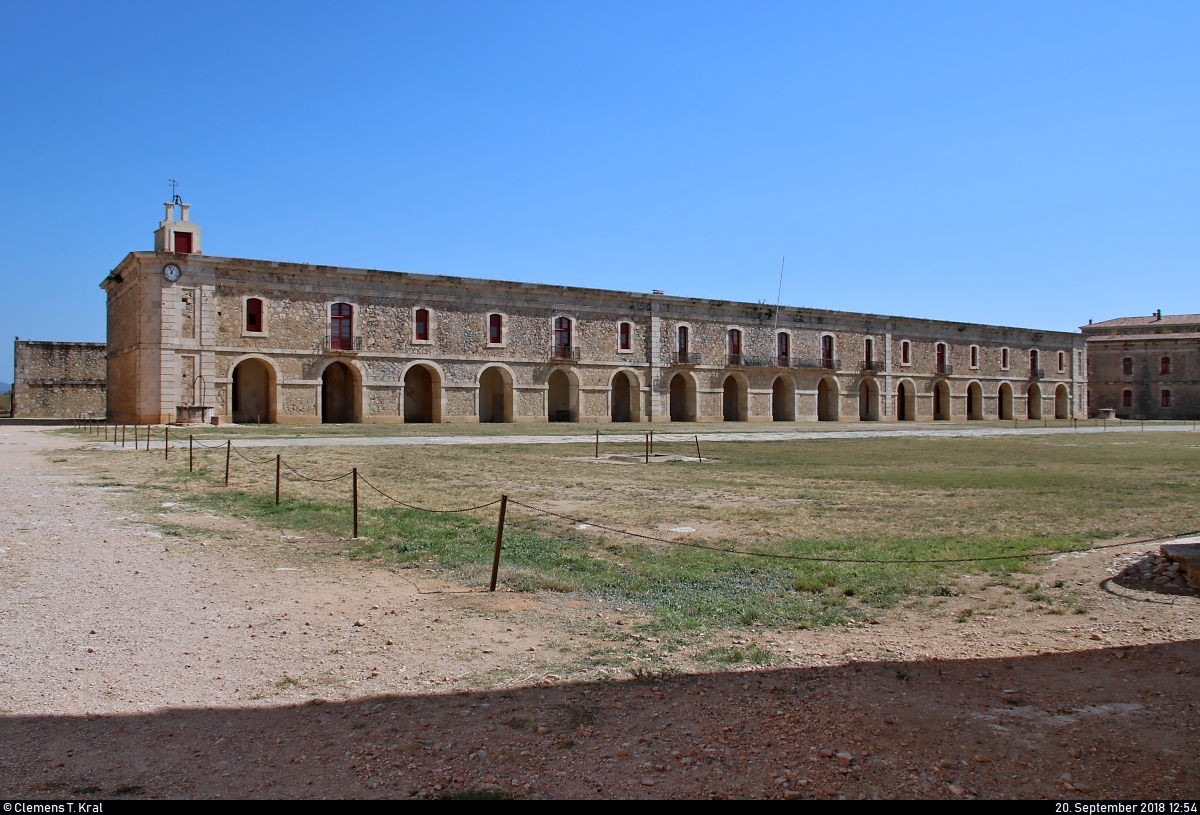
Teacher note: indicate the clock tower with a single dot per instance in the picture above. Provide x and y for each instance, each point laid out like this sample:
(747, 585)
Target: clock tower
(177, 235)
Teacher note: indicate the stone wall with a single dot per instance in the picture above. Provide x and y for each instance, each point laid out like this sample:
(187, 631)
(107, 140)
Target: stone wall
(59, 379)
(1145, 381)
(192, 334)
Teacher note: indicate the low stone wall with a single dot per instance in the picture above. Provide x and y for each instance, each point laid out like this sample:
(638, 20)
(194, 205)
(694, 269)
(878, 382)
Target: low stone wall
(59, 379)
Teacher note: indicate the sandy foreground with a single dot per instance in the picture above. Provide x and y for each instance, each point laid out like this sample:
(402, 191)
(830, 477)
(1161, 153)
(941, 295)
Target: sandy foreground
(133, 665)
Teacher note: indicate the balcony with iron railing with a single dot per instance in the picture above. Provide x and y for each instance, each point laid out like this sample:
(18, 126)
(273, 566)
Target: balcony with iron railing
(870, 366)
(782, 361)
(944, 369)
(568, 352)
(338, 342)
(1037, 373)
(684, 358)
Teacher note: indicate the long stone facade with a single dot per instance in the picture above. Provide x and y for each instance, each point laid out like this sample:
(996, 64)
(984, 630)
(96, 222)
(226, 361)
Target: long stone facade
(1145, 367)
(251, 340)
(58, 380)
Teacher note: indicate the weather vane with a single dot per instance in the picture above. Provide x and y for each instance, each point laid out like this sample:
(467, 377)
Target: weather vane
(174, 196)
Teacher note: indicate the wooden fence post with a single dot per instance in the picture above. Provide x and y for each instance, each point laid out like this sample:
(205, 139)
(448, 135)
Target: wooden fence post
(228, 450)
(191, 441)
(355, 488)
(499, 542)
(698, 450)
(278, 465)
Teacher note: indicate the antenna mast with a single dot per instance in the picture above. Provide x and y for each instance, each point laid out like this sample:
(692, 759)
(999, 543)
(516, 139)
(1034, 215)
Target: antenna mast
(779, 294)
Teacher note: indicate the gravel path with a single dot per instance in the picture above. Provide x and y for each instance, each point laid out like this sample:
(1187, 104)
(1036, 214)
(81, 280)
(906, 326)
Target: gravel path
(139, 666)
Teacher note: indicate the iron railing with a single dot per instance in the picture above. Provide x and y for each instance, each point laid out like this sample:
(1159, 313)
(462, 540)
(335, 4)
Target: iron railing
(564, 352)
(944, 369)
(1036, 373)
(336, 342)
(871, 365)
(685, 358)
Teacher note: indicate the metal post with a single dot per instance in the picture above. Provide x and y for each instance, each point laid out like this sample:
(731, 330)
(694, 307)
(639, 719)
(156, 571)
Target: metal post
(191, 441)
(499, 541)
(651, 442)
(698, 450)
(278, 465)
(228, 451)
(106, 431)
(355, 502)
(647, 440)
(135, 437)
(166, 441)
(597, 444)
(122, 435)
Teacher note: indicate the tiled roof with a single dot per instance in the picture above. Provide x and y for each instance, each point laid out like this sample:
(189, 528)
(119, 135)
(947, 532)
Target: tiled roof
(1151, 320)
(1144, 337)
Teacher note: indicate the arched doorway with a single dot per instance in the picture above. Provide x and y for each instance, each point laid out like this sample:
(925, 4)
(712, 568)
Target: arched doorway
(420, 395)
(733, 401)
(624, 398)
(906, 403)
(783, 399)
(339, 394)
(1033, 404)
(1062, 409)
(974, 401)
(683, 399)
(827, 400)
(941, 401)
(1004, 401)
(868, 401)
(561, 398)
(495, 395)
(253, 392)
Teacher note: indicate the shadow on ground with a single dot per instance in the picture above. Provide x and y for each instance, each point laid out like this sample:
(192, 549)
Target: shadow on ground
(1100, 723)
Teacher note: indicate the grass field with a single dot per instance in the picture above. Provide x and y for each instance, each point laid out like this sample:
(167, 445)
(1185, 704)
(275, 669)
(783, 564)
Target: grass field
(883, 498)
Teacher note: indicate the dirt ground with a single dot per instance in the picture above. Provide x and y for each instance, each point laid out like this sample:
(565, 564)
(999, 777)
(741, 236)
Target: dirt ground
(138, 665)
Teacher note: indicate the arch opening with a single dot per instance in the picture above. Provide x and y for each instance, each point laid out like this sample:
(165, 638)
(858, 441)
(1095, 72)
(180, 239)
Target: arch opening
(1033, 402)
(1004, 401)
(827, 400)
(562, 398)
(783, 399)
(253, 392)
(421, 395)
(1062, 409)
(683, 399)
(495, 395)
(733, 400)
(339, 394)
(906, 403)
(974, 402)
(868, 401)
(623, 398)
(941, 401)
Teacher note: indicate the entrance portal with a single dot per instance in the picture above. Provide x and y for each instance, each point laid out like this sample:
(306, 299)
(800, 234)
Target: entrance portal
(559, 401)
(1033, 404)
(623, 392)
(418, 395)
(252, 392)
(868, 401)
(683, 400)
(906, 403)
(339, 394)
(941, 401)
(1061, 406)
(495, 396)
(783, 399)
(974, 401)
(827, 401)
(1004, 401)
(731, 401)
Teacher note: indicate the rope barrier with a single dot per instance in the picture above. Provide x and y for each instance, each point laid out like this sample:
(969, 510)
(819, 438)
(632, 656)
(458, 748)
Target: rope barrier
(425, 509)
(316, 480)
(244, 457)
(818, 559)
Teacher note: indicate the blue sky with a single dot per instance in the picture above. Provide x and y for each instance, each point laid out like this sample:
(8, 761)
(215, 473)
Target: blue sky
(1029, 164)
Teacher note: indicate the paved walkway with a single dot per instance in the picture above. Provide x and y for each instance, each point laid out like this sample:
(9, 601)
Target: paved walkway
(943, 431)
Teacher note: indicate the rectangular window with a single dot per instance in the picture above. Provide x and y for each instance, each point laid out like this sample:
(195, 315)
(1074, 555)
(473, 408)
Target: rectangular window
(1004, 359)
(735, 347)
(904, 353)
(623, 337)
(1127, 366)
(682, 337)
(562, 338)
(1165, 365)
(827, 351)
(974, 356)
(183, 242)
(254, 314)
(495, 329)
(1166, 398)
(422, 324)
(1127, 399)
(783, 350)
(340, 326)
(1062, 361)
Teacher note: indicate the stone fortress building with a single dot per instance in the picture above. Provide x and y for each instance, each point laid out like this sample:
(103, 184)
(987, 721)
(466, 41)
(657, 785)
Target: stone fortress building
(194, 337)
(58, 379)
(1145, 367)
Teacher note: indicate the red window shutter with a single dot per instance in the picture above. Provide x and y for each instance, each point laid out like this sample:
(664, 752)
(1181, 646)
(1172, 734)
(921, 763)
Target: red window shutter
(624, 337)
(495, 329)
(422, 329)
(183, 242)
(254, 314)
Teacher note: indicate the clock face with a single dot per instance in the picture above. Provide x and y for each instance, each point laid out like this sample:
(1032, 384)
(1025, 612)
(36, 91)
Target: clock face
(171, 272)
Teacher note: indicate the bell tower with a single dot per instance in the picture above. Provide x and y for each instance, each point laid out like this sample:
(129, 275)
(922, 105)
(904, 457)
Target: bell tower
(178, 235)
